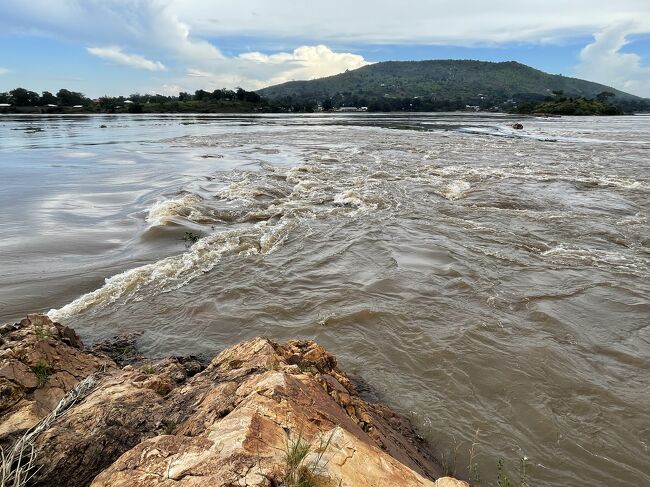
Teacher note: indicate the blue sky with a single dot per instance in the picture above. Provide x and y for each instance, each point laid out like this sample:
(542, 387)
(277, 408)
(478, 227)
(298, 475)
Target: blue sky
(126, 46)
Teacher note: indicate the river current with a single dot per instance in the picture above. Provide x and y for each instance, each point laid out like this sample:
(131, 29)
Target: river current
(493, 284)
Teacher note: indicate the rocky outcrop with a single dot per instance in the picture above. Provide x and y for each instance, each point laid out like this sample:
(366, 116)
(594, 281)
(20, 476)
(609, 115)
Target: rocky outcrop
(39, 362)
(260, 414)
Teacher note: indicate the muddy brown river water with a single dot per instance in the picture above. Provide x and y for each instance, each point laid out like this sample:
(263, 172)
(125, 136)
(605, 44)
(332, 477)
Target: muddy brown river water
(491, 283)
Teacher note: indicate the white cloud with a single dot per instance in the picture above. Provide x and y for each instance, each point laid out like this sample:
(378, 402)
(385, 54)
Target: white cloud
(133, 60)
(4, 71)
(150, 26)
(466, 22)
(603, 61)
(305, 62)
(254, 70)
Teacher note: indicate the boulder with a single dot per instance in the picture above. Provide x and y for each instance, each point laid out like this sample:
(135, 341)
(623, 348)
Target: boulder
(261, 413)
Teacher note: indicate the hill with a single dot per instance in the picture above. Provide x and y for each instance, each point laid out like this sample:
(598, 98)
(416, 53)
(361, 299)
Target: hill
(442, 84)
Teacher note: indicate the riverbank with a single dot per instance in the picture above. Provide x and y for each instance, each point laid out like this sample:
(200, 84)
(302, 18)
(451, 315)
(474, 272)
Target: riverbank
(259, 413)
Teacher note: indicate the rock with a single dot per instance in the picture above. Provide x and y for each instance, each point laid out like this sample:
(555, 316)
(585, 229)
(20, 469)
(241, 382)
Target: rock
(450, 482)
(177, 422)
(517, 126)
(40, 361)
(122, 348)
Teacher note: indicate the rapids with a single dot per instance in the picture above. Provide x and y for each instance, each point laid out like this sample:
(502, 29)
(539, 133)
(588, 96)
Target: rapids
(491, 283)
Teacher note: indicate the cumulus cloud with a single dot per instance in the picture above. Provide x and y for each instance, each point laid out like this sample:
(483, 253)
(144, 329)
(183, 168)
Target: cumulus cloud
(305, 62)
(254, 70)
(133, 60)
(603, 61)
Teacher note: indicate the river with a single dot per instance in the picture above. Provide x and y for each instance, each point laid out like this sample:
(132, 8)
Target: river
(491, 283)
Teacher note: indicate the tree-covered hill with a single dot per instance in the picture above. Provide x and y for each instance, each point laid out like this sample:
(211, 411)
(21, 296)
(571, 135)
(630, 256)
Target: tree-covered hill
(445, 84)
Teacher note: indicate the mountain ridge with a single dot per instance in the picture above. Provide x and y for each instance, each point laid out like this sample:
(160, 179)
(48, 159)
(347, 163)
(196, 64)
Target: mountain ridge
(438, 83)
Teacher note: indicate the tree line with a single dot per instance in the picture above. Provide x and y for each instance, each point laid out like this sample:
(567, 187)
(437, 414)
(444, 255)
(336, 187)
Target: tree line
(240, 100)
(22, 99)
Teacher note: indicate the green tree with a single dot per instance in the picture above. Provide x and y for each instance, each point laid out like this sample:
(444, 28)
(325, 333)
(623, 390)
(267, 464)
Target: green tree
(200, 95)
(24, 98)
(604, 95)
(138, 98)
(70, 98)
(107, 103)
(135, 108)
(48, 98)
(252, 97)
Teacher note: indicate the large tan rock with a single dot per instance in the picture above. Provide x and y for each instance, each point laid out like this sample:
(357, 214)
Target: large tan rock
(232, 423)
(253, 400)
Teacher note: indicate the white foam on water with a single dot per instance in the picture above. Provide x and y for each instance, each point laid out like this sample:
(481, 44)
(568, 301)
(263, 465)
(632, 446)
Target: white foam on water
(240, 190)
(455, 190)
(354, 198)
(619, 182)
(565, 254)
(167, 274)
(291, 198)
(165, 211)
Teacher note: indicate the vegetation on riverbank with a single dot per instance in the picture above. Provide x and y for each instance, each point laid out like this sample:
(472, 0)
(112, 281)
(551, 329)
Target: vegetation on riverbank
(422, 86)
(572, 106)
(444, 85)
(21, 100)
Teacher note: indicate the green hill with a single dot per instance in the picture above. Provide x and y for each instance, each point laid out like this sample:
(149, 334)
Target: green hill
(444, 84)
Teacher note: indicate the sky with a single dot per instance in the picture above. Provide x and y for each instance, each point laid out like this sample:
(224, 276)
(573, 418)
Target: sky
(119, 47)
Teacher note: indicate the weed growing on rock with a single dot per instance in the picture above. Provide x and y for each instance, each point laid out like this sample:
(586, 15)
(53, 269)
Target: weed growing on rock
(149, 369)
(307, 368)
(42, 372)
(42, 333)
(449, 461)
(300, 473)
(125, 351)
(273, 364)
(169, 427)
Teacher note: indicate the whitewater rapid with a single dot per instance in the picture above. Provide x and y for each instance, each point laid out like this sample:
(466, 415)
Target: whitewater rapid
(480, 278)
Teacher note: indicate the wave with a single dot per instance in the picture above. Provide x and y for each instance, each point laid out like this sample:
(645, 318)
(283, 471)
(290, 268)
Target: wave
(188, 207)
(173, 272)
(284, 206)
